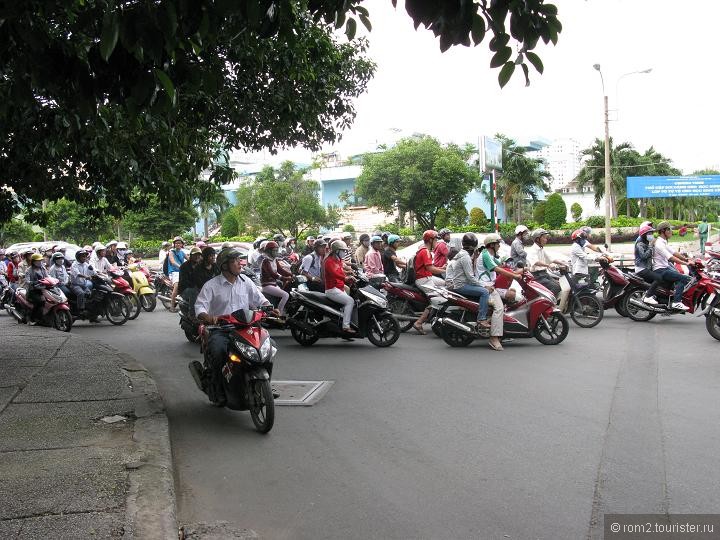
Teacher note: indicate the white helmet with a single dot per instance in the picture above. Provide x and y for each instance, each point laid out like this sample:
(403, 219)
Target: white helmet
(122, 245)
(521, 229)
(338, 245)
(491, 239)
(97, 245)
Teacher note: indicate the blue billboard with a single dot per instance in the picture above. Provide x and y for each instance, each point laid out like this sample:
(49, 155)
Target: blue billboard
(673, 186)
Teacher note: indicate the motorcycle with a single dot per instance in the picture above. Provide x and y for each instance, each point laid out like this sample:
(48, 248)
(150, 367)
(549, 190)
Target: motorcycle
(534, 316)
(55, 310)
(247, 369)
(298, 283)
(319, 317)
(6, 292)
(700, 294)
(615, 286)
(583, 305)
(120, 285)
(163, 286)
(137, 276)
(103, 301)
(405, 302)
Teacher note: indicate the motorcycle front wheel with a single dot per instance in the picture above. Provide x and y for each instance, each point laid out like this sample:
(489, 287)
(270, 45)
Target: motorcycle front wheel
(383, 330)
(62, 321)
(117, 310)
(135, 306)
(148, 302)
(586, 311)
(636, 313)
(712, 323)
(262, 405)
(556, 330)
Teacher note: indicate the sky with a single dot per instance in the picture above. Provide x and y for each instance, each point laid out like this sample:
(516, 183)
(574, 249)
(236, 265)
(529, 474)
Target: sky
(455, 96)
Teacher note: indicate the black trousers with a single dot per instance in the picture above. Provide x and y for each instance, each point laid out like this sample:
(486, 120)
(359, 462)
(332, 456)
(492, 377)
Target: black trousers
(547, 281)
(651, 277)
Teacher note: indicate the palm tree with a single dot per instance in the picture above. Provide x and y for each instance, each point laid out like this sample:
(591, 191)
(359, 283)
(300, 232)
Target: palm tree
(211, 199)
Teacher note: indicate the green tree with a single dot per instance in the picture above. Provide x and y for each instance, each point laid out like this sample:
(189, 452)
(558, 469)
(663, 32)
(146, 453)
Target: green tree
(160, 220)
(478, 220)
(418, 175)
(15, 230)
(539, 212)
(576, 211)
(230, 225)
(100, 96)
(555, 211)
(284, 201)
(212, 203)
(522, 178)
(628, 207)
(74, 222)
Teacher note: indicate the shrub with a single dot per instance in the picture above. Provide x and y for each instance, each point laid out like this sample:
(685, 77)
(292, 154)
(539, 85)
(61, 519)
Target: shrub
(576, 211)
(555, 210)
(230, 225)
(539, 212)
(622, 208)
(595, 221)
(478, 219)
(348, 228)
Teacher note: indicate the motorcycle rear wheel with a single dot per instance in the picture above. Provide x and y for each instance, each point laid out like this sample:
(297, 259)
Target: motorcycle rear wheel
(390, 330)
(148, 302)
(586, 311)
(306, 339)
(712, 323)
(559, 328)
(402, 307)
(62, 321)
(135, 306)
(117, 310)
(636, 313)
(191, 336)
(262, 405)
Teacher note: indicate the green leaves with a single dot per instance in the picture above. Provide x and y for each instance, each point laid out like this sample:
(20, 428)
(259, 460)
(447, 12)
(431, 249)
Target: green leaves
(534, 59)
(505, 73)
(350, 29)
(166, 84)
(500, 57)
(109, 35)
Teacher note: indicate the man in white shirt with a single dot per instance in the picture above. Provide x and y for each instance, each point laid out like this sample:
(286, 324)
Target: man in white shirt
(223, 295)
(311, 266)
(663, 256)
(540, 260)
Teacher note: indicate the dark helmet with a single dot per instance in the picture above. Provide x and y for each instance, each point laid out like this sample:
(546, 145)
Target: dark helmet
(80, 253)
(319, 243)
(469, 240)
(57, 255)
(443, 232)
(208, 252)
(227, 254)
(279, 238)
(363, 237)
(259, 241)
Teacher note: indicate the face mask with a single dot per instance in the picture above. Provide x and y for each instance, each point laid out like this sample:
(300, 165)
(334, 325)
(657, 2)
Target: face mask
(649, 237)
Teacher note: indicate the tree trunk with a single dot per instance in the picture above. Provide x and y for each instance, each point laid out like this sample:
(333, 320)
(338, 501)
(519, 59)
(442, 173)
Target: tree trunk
(642, 203)
(627, 207)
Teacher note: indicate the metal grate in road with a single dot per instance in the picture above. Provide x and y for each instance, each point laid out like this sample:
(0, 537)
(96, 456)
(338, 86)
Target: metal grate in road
(300, 393)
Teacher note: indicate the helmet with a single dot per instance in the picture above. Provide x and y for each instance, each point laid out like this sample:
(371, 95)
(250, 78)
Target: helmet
(443, 232)
(645, 228)
(166, 244)
(208, 252)
(319, 243)
(99, 248)
(385, 235)
(226, 245)
(309, 238)
(122, 245)
(663, 225)
(375, 239)
(521, 229)
(579, 233)
(346, 236)
(646, 223)
(492, 238)
(36, 257)
(271, 245)
(112, 243)
(469, 240)
(80, 253)
(57, 256)
(365, 236)
(338, 245)
(429, 235)
(587, 230)
(256, 243)
(227, 254)
(195, 251)
(261, 247)
(96, 245)
(537, 233)
(279, 238)
(391, 239)
(200, 244)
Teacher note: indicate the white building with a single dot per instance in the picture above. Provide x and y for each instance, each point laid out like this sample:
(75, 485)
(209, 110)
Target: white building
(563, 161)
(585, 197)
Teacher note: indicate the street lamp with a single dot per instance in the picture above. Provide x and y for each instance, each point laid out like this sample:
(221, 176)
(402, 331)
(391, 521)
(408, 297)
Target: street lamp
(608, 181)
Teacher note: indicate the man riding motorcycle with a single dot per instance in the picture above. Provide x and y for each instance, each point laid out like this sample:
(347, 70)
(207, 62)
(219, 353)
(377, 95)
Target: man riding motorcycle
(517, 248)
(540, 260)
(58, 271)
(312, 264)
(80, 278)
(663, 255)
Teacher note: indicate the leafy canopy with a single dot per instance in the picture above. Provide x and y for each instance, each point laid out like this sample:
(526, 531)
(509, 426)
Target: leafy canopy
(555, 211)
(418, 175)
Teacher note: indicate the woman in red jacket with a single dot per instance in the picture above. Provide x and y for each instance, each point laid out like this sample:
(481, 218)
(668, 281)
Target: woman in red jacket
(335, 279)
(271, 273)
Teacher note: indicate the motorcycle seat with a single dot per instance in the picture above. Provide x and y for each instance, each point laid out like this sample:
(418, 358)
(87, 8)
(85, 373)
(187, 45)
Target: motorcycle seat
(322, 298)
(408, 287)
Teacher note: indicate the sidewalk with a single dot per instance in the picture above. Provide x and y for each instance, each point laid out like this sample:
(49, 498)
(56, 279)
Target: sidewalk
(84, 446)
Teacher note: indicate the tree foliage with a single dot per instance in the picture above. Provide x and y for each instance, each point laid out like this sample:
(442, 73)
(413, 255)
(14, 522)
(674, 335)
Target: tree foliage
(576, 211)
(418, 175)
(555, 210)
(15, 230)
(478, 219)
(283, 201)
(74, 222)
(159, 220)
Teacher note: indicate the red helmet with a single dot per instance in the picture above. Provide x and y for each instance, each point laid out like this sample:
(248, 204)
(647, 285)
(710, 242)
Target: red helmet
(429, 235)
(645, 228)
(577, 234)
(271, 245)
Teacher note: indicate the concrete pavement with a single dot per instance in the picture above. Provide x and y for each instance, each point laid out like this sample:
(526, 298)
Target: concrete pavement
(84, 445)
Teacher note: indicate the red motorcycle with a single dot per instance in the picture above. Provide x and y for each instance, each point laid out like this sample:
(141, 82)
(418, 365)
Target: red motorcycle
(55, 310)
(121, 285)
(702, 294)
(615, 286)
(247, 368)
(534, 316)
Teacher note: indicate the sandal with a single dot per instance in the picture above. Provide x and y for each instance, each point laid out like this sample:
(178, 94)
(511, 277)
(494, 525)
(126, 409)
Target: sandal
(419, 329)
(484, 324)
(495, 347)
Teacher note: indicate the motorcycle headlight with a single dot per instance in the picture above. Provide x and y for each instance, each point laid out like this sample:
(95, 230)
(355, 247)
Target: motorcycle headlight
(247, 351)
(266, 350)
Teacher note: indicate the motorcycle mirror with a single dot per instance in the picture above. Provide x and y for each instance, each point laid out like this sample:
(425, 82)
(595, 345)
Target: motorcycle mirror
(606, 246)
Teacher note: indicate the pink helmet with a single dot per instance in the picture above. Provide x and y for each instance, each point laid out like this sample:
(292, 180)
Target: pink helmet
(577, 234)
(645, 228)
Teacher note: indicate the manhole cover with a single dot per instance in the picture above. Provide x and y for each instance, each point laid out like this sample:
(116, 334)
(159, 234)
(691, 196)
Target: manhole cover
(302, 393)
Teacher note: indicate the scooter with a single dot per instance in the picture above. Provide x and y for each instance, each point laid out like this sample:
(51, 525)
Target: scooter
(319, 317)
(246, 370)
(163, 286)
(138, 278)
(102, 301)
(583, 305)
(55, 310)
(120, 285)
(534, 316)
(292, 305)
(615, 285)
(405, 302)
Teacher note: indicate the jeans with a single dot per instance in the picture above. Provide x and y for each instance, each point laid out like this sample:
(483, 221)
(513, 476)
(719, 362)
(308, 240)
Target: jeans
(336, 295)
(670, 274)
(218, 352)
(483, 297)
(651, 277)
(81, 292)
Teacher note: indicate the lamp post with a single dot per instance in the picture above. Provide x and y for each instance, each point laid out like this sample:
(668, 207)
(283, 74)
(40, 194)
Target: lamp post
(608, 182)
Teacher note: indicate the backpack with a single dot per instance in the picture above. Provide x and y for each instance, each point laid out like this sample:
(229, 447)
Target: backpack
(410, 272)
(165, 264)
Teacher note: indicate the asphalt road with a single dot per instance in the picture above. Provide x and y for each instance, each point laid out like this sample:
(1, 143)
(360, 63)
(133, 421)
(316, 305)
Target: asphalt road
(424, 441)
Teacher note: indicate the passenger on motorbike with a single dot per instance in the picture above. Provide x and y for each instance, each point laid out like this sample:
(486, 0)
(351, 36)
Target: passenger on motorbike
(112, 253)
(24, 266)
(186, 287)
(255, 256)
(271, 272)
(579, 258)
(58, 271)
(163, 252)
(390, 261)
(426, 274)
(81, 278)
(223, 295)
(362, 249)
(461, 278)
(312, 265)
(488, 267)
(206, 270)
(373, 263)
(176, 256)
(517, 248)
(663, 255)
(3, 263)
(122, 254)
(348, 258)
(34, 274)
(12, 269)
(335, 280)
(309, 246)
(540, 260)
(442, 249)
(644, 262)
